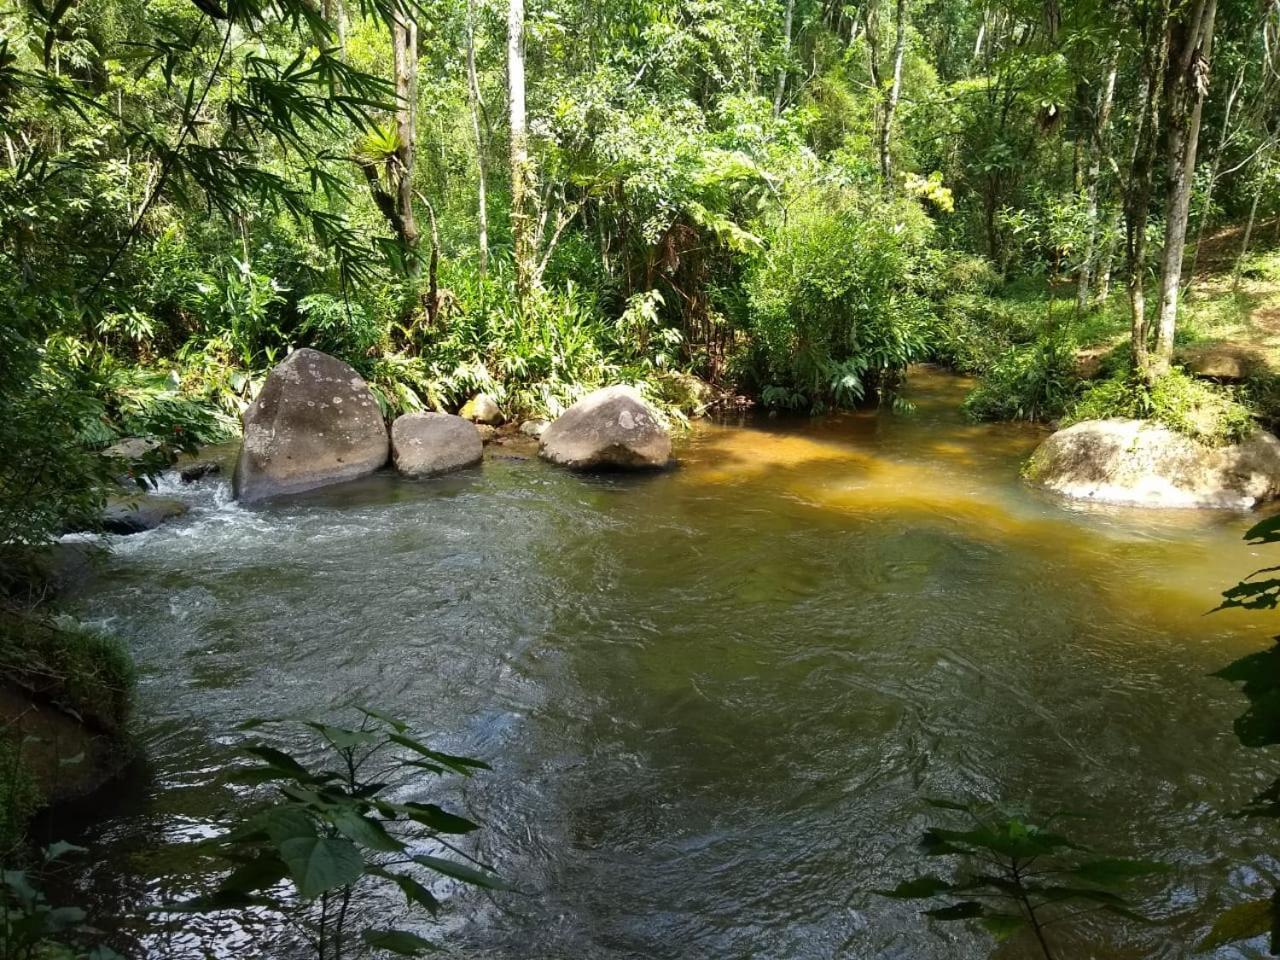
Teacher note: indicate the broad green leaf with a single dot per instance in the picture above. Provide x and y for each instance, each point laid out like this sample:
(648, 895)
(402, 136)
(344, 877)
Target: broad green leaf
(318, 864)
(399, 726)
(462, 765)
(964, 910)
(342, 738)
(366, 832)
(1001, 925)
(1116, 872)
(1244, 921)
(400, 942)
(430, 815)
(414, 892)
(280, 761)
(460, 871)
(258, 873)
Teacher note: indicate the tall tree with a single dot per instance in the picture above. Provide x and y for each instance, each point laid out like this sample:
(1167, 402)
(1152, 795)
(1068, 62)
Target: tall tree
(522, 225)
(1186, 85)
(473, 100)
(1099, 139)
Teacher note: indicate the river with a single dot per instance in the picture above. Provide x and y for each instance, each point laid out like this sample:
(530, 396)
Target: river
(713, 699)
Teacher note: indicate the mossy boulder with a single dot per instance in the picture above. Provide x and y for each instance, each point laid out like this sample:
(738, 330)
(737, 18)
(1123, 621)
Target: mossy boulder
(610, 428)
(315, 422)
(1142, 463)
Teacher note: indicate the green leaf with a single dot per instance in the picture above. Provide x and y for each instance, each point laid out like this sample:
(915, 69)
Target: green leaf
(366, 832)
(59, 849)
(964, 910)
(460, 871)
(462, 765)
(1244, 921)
(400, 942)
(399, 726)
(318, 864)
(430, 815)
(1116, 872)
(279, 761)
(414, 892)
(342, 738)
(1001, 925)
(258, 873)
(917, 889)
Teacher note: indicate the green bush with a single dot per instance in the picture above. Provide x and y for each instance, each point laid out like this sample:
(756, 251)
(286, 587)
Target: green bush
(835, 304)
(1035, 381)
(1203, 411)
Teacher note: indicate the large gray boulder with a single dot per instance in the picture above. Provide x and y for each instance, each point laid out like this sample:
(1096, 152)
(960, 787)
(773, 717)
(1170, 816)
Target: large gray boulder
(1141, 463)
(612, 427)
(429, 444)
(315, 422)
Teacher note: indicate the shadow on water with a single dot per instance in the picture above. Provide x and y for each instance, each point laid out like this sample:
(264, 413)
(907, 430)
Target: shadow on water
(713, 697)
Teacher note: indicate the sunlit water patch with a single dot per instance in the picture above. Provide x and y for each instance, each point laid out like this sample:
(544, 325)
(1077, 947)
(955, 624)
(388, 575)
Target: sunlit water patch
(713, 698)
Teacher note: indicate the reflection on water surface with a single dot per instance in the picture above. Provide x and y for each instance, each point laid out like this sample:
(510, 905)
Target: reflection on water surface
(714, 697)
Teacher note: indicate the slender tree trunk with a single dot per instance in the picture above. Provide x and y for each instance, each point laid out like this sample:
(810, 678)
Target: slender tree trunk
(1248, 232)
(405, 43)
(893, 94)
(522, 225)
(1142, 171)
(781, 87)
(1093, 177)
(1185, 92)
(1207, 206)
(473, 97)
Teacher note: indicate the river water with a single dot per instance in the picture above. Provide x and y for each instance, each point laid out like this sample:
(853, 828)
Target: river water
(714, 698)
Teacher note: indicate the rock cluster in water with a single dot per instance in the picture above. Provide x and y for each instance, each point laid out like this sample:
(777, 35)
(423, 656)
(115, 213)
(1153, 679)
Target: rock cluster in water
(315, 422)
(1141, 463)
(612, 427)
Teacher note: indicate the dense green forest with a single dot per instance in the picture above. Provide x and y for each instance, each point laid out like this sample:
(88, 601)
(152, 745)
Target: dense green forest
(791, 201)
(784, 210)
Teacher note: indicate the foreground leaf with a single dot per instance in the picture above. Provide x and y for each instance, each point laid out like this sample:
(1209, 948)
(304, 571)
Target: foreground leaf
(319, 864)
(1244, 921)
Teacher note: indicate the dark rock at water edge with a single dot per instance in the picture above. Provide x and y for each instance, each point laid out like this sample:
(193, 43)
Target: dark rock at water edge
(137, 513)
(198, 470)
(315, 422)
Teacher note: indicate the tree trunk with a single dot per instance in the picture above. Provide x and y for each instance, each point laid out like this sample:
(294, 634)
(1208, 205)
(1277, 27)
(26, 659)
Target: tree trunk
(786, 52)
(1093, 178)
(1207, 206)
(405, 43)
(1185, 90)
(473, 97)
(1248, 232)
(893, 94)
(521, 171)
(1141, 173)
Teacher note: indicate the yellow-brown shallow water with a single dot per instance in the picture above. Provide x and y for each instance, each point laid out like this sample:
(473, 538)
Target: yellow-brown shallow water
(713, 698)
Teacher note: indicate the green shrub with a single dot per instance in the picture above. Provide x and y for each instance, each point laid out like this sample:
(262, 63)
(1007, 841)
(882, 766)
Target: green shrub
(1203, 411)
(835, 308)
(1035, 381)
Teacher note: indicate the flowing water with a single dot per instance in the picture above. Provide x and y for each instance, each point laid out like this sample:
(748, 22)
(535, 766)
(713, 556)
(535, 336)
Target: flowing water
(714, 698)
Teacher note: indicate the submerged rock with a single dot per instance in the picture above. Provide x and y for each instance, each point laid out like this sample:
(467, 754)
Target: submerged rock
(482, 408)
(198, 470)
(1145, 464)
(612, 427)
(137, 513)
(429, 444)
(315, 422)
